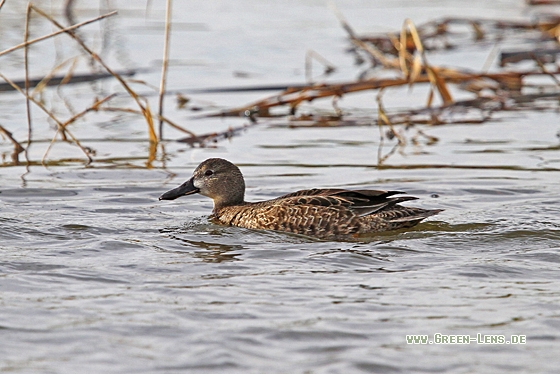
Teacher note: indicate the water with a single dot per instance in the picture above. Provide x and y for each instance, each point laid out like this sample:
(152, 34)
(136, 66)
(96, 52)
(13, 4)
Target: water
(97, 275)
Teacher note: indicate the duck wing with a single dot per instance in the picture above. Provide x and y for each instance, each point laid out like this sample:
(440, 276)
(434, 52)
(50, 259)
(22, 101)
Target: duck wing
(359, 202)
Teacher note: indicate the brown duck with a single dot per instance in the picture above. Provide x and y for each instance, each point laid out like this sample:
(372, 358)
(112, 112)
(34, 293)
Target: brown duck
(323, 213)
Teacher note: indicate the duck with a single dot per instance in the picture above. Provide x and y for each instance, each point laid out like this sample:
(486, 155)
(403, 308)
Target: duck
(324, 213)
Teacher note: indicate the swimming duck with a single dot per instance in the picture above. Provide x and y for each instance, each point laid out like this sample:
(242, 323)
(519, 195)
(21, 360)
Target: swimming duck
(322, 213)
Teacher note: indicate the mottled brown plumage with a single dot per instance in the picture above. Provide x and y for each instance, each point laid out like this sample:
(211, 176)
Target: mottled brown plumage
(323, 213)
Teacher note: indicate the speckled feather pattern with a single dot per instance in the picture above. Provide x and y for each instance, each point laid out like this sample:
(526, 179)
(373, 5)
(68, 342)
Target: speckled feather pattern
(322, 213)
(325, 215)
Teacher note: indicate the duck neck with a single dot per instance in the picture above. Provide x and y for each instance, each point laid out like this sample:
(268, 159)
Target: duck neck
(220, 204)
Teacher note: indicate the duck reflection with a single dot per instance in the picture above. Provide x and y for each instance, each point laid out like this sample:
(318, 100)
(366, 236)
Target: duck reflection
(209, 251)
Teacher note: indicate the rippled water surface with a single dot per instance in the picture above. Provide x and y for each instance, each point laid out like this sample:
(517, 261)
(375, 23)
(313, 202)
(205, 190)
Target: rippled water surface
(98, 276)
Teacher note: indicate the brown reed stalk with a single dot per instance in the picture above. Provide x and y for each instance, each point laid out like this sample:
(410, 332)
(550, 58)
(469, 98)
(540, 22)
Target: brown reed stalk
(145, 110)
(164, 64)
(436, 80)
(52, 116)
(2, 3)
(26, 65)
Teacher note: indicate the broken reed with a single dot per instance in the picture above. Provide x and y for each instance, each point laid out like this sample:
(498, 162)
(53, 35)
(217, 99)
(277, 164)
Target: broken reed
(407, 56)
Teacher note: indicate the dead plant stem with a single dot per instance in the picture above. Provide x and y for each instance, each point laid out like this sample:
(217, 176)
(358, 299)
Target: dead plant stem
(164, 65)
(26, 64)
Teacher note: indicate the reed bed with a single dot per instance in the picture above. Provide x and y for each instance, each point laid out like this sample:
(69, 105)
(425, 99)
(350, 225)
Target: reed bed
(404, 53)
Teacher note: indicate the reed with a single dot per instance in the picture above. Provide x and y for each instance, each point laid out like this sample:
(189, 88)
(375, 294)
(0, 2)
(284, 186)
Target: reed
(164, 64)
(405, 53)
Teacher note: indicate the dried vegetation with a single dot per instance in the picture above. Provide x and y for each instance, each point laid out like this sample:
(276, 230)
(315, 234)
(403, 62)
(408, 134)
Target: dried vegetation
(399, 59)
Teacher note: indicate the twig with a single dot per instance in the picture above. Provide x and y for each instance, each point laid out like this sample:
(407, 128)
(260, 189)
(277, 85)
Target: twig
(164, 64)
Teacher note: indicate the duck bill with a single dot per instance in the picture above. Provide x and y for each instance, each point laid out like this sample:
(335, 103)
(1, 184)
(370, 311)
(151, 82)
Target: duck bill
(186, 188)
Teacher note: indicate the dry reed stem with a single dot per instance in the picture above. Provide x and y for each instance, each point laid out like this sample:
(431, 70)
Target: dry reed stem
(26, 65)
(63, 30)
(52, 116)
(145, 110)
(164, 64)
(438, 77)
(436, 81)
(295, 96)
(2, 3)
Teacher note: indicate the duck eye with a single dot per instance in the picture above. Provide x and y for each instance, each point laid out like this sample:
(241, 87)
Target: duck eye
(208, 173)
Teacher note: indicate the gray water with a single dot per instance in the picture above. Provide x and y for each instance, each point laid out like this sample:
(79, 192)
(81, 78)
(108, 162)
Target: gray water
(98, 276)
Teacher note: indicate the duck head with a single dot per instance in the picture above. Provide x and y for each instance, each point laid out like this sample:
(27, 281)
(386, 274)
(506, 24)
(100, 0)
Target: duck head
(216, 178)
